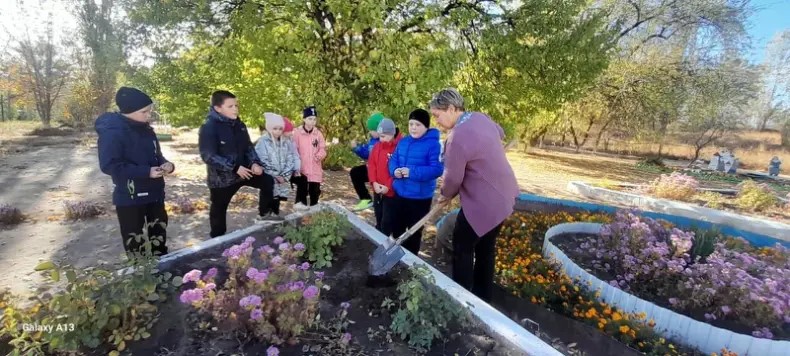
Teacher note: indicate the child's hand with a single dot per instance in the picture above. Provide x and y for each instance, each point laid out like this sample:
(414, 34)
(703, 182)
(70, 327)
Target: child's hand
(168, 167)
(383, 189)
(404, 171)
(156, 172)
(353, 143)
(398, 173)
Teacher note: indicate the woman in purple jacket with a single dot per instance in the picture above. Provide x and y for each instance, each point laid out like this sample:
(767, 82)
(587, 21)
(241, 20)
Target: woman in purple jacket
(477, 169)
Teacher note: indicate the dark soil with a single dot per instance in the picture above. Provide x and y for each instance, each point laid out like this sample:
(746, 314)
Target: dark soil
(177, 333)
(569, 243)
(565, 334)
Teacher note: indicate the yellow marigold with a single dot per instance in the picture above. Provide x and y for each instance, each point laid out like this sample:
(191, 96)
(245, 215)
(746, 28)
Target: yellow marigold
(533, 300)
(602, 321)
(616, 316)
(633, 333)
(607, 311)
(624, 329)
(651, 323)
(600, 326)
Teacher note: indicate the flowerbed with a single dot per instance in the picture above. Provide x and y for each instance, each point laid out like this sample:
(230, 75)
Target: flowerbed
(752, 197)
(523, 271)
(724, 282)
(262, 297)
(266, 294)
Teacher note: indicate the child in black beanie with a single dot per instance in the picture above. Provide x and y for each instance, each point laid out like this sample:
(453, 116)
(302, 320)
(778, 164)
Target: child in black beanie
(137, 167)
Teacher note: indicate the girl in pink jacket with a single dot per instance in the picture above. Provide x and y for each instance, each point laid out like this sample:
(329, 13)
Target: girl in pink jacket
(311, 146)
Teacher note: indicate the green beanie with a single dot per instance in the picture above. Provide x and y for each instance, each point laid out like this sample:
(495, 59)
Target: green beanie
(374, 120)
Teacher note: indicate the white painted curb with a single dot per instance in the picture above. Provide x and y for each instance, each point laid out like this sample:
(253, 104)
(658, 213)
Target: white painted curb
(706, 337)
(764, 227)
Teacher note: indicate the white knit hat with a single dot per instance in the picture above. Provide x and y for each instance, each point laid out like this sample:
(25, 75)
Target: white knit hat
(273, 120)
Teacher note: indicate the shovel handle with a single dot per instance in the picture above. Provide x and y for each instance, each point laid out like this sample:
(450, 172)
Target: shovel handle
(436, 208)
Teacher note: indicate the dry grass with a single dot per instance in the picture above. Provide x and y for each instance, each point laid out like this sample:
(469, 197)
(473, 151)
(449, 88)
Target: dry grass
(17, 128)
(753, 148)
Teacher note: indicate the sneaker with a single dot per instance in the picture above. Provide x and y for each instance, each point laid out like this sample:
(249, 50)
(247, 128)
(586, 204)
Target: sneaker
(363, 205)
(268, 218)
(300, 207)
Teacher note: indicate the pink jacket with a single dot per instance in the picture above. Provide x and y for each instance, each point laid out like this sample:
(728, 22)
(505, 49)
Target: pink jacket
(312, 151)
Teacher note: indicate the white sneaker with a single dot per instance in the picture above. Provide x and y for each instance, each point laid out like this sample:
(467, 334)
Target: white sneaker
(301, 207)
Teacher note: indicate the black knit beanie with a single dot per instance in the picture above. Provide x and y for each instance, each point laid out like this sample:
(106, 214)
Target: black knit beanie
(422, 116)
(130, 100)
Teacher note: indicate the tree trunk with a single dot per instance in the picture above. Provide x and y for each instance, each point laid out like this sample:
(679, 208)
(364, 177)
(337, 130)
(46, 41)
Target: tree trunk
(786, 134)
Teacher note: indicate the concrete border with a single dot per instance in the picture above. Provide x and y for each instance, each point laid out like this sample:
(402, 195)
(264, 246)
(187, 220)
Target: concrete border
(499, 326)
(750, 227)
(707, 338)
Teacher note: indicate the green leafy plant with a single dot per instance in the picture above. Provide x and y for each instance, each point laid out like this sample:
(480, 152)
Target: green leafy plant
(652, 165)
(755, 197)
(705, 241)
(95, 306)
(319, 233)
(339, 157)
(711, 200)
(423, 314)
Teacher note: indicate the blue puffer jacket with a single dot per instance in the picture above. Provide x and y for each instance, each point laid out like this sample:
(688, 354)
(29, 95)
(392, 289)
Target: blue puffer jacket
(421, 157)
(127, 151)
(225, 146)
(363, 151)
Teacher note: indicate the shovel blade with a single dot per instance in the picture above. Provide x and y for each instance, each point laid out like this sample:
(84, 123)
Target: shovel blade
(383, 259)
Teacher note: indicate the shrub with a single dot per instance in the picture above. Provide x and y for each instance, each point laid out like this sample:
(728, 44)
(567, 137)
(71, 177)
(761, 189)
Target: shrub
(319, 232)
(423, 314)
(10, 215)
(339, 157)
(755, 197)
(95, 305)
(677, 186)
(82, 210)
(272, 296)
(711, 200)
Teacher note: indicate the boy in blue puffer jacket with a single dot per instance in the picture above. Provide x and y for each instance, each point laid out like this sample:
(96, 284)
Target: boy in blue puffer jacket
(130, 153)
(359, 174)
(415, 166)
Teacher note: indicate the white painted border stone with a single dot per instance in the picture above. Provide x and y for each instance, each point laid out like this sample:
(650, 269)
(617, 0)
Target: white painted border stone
(707, 338)
(499, 326)
(765, 227)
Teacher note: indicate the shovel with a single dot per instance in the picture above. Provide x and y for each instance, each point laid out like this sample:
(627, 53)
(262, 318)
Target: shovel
(387, 255)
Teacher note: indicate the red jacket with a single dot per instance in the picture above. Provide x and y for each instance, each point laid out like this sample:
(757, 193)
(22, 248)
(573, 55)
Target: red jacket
(377, 164)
